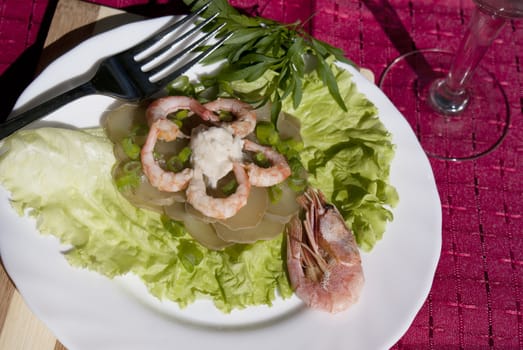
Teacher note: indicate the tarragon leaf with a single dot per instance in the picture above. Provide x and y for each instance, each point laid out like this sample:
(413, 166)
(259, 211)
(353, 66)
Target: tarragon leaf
(256, 57)
(237, 54)
(275, 108)
(267, 43)
(331, 50)
(245, 35)
(329, 79)
(297, 92)
(248, 73)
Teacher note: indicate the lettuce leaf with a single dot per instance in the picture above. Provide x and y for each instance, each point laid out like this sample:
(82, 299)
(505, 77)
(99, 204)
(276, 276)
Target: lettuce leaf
(63, 178)
(347, 154)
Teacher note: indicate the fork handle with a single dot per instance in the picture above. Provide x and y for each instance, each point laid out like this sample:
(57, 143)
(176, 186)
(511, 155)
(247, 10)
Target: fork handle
(40, 111)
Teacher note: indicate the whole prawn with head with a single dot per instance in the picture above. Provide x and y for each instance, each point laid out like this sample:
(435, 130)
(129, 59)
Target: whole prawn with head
(323, 260)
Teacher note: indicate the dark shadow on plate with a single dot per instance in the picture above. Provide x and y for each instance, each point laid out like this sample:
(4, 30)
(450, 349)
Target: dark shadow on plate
(66, 43)
(77, 36)
(49, 124)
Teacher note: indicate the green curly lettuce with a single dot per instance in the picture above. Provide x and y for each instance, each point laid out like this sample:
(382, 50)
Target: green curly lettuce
(348, 155)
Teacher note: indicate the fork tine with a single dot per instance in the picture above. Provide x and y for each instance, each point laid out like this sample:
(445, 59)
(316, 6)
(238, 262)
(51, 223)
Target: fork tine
(156, 37)
(163, 65)
(171, 76)
(153, 55)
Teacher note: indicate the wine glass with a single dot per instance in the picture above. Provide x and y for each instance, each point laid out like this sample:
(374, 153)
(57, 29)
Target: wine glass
(458, 110)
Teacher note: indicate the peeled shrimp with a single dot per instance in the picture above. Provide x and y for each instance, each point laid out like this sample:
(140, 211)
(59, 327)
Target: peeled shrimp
(245, 122)
(164, 180)
(219, 208)
(324, 265)
(160, 108)
(266, 177)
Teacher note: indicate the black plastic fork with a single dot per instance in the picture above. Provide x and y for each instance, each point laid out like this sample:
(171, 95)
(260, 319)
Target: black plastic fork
(124, 77)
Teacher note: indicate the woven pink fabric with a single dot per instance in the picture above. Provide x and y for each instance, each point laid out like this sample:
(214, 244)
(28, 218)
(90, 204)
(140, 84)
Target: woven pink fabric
(19, 25)
(476, 298)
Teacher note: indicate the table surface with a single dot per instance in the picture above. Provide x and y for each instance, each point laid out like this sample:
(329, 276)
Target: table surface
(475, 300)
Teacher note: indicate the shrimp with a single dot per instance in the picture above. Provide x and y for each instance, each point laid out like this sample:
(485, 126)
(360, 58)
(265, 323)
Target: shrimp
(164, 180)
(160, 108)
(324, 265)
(219, 208)
(246, 117)
(266, 177)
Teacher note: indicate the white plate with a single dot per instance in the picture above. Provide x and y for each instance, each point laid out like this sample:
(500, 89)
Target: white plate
(87, 311)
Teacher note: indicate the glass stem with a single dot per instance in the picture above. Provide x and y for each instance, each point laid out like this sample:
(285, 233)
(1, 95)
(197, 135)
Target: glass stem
(449, 95)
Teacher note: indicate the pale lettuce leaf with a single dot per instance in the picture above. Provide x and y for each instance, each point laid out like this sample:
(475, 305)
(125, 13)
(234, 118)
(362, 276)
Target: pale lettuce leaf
(63, 178)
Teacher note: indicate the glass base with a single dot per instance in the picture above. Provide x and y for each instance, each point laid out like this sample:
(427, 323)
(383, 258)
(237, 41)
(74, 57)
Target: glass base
(469, 134)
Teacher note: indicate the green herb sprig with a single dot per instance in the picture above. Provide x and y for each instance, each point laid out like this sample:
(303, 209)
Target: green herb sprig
(258, 45)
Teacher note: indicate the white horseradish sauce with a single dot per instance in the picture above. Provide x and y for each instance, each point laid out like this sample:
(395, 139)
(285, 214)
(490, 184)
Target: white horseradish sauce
(213, 151)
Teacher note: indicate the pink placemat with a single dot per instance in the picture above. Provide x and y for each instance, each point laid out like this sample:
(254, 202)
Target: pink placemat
(475, 301)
